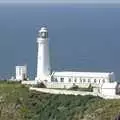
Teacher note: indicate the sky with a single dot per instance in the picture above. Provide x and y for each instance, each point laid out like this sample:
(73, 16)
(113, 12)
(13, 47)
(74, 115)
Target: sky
(63, 1)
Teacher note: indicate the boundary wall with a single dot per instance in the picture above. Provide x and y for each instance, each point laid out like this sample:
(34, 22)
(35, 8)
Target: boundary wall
(71, 92)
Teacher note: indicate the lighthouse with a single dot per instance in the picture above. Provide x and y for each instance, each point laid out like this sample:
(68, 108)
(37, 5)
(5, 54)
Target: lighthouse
(43, 64)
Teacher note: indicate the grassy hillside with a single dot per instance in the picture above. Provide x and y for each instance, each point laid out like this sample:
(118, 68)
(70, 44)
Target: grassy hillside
(18, 103)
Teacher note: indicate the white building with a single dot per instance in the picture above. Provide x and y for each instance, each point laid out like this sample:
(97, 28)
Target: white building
(21, 72)
(43, 65)
(64, 79)
(81, 79)
(110, 89)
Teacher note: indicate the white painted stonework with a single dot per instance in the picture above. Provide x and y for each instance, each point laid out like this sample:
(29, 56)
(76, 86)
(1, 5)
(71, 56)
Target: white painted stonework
(109, 88)
(43, 65)
(71, 92)
(30, 82)
(21, 72)
(95, 78)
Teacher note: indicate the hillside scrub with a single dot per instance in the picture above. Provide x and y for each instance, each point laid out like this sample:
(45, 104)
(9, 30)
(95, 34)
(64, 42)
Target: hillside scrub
(18, 103)
(76, 88)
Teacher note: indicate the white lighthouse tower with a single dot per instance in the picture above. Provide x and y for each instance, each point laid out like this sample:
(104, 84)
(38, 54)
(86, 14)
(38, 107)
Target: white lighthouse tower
(43, 64)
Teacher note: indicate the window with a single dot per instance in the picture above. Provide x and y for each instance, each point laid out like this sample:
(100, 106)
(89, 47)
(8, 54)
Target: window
(75, 80)
(84, 80)
(52, 80)
(99, 80)
(69, 79)
(80, 80)
(56, 80)
(103, 80)
(88, 80)
(62, 79)
(45, 80)
(94, 80)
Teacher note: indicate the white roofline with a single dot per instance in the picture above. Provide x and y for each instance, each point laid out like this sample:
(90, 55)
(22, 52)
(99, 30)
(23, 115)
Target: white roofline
(83, 74)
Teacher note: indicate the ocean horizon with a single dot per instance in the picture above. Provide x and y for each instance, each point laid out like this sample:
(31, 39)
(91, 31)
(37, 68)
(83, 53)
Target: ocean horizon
(82, 38)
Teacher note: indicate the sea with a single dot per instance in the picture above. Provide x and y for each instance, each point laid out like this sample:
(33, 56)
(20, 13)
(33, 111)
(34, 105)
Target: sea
(81, 37)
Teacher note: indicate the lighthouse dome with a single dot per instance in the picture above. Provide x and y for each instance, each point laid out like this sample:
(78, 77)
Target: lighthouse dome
(43, 32)
(43, 29)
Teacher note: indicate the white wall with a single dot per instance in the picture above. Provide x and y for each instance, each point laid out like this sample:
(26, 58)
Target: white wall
(81, 79)
(21, 72)
(71, 92)
(66, 92)
(43, 64)
(64, 85)
(30, 82)
(111, 91)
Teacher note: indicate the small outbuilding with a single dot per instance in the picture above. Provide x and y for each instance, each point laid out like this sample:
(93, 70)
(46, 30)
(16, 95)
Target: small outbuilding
(21, 73)
(109, 89)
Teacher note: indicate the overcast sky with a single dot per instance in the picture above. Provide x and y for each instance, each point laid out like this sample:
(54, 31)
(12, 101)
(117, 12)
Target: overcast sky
(62, 1)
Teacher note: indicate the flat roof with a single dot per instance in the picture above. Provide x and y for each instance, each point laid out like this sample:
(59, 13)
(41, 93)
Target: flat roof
(83, 74)
(109, 85)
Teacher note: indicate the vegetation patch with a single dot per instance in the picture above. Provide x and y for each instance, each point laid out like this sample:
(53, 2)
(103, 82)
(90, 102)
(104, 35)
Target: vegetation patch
(18, 103)
(76, 88)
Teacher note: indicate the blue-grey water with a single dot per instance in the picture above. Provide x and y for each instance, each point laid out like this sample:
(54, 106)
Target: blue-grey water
(81, 38)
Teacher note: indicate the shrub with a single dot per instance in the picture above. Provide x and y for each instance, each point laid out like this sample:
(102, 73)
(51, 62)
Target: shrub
(41, 85)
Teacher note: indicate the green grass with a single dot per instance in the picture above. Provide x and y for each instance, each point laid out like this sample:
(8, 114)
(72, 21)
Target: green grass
(18, 103)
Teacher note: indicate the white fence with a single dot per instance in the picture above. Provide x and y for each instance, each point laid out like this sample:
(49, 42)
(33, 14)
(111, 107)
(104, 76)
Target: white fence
(64, 85)
(66, 92)
(71, 92)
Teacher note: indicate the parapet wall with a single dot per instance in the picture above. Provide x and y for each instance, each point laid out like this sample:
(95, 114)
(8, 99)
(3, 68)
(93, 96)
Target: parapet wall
(30, 82)
(65, 85)
(71, 92)
(60, 85)
(60, 91)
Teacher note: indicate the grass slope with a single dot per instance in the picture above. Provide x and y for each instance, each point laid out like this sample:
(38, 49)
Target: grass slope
(18, 103)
